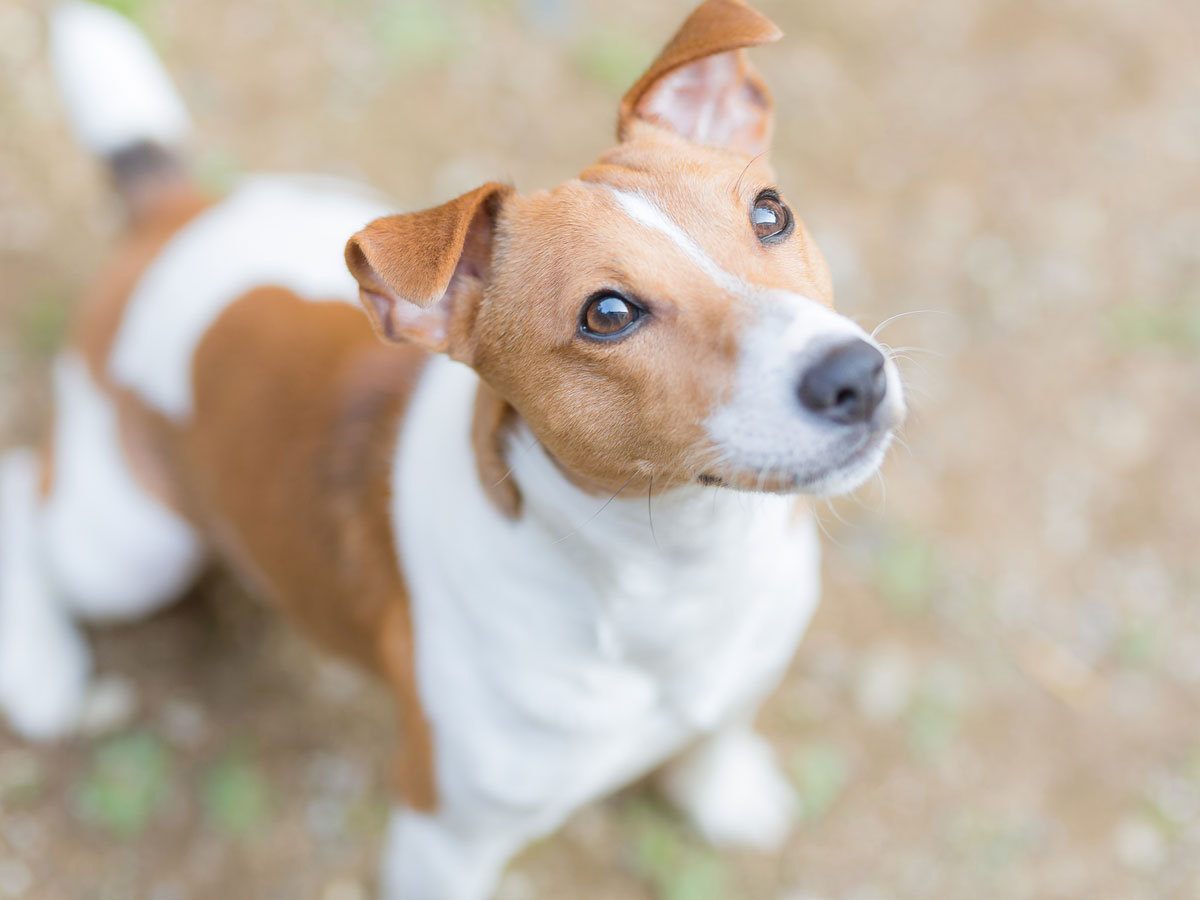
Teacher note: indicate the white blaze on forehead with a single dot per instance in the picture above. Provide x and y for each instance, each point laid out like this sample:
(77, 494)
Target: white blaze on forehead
(274, 231)
(643, 211)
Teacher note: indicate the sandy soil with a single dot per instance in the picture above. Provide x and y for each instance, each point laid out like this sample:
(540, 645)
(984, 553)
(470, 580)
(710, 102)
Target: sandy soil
(1001, 694)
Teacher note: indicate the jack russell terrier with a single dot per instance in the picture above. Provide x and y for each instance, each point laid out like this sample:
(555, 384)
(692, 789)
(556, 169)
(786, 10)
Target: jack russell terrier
(556, 509)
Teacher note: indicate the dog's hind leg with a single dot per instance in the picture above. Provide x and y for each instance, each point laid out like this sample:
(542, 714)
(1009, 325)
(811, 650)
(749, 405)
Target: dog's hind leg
(115, 551)
(98, 546)
(44, 662)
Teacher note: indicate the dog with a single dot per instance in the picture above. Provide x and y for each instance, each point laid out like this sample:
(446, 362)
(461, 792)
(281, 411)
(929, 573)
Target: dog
(550, 488)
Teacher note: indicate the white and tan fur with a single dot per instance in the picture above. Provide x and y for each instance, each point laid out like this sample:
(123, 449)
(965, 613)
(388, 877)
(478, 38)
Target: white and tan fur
(575, 562)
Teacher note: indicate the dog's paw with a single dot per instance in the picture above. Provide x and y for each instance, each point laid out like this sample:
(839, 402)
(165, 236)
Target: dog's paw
(731, 789)
(43, 682)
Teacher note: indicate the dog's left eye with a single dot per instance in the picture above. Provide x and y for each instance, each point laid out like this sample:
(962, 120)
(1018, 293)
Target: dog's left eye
(608, 314)
(772, 220)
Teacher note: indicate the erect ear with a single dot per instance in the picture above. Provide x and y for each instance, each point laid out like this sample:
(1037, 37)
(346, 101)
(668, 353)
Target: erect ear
(421, 275)
(701, 85)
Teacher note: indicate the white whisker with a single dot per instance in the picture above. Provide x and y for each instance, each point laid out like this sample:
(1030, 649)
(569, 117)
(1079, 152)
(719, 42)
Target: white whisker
(593, 516)
(913, 312)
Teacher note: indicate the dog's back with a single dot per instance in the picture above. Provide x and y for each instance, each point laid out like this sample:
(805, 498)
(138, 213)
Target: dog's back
(221, 392)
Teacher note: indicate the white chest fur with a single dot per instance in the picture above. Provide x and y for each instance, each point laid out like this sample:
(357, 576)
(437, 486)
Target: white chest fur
(564, 654)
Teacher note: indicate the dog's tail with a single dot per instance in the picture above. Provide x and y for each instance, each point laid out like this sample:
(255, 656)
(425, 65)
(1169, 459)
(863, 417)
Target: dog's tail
(119, 99)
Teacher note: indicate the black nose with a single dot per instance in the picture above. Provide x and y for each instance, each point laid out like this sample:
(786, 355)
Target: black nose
(845, 385)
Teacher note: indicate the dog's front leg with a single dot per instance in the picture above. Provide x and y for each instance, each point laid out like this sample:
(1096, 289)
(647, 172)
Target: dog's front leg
(426, 857)
(731, 789)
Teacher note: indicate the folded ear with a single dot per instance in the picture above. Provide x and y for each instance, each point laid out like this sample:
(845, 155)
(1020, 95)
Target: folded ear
(701, 85)
(421, 275)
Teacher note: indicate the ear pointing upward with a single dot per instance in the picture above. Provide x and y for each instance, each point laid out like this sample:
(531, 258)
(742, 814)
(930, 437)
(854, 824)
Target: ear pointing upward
(701, 86)
(421, 275)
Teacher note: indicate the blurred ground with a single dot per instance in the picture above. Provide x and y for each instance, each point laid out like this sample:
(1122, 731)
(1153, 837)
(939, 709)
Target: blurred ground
(1001, 694)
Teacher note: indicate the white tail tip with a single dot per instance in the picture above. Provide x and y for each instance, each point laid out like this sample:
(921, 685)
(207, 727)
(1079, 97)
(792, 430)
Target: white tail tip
(116, 91)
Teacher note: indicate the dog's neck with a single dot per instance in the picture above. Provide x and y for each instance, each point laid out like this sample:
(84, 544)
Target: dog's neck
(600, 539)
(666, 584)
(682, 525)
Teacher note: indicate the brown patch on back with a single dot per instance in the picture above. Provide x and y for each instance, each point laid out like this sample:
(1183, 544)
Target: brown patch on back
(287, 465)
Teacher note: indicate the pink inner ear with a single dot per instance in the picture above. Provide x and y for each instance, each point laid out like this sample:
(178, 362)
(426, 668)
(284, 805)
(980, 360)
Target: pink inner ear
(400, 320)
(428, 327)
(380, 308)
(713, 102)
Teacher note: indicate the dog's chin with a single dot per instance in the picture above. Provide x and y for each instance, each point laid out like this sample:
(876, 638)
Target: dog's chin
(852, 473)
(840, 477)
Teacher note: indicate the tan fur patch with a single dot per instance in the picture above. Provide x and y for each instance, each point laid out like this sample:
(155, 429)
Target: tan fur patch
(288, 463)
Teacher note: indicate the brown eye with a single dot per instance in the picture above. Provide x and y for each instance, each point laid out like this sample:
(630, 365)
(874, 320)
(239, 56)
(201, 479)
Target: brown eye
(771, 219)
(608, 314)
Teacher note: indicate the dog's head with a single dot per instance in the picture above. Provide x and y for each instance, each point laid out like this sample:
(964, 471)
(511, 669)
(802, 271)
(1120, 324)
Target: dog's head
(663, 316)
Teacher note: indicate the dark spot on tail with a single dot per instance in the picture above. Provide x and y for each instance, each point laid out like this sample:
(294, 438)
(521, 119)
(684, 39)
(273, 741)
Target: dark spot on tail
(143, 173)
(143, 161)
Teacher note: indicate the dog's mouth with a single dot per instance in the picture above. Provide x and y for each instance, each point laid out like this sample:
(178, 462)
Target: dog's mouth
(851, 468)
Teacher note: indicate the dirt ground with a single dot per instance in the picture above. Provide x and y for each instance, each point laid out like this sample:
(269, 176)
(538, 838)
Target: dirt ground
(1000, 696)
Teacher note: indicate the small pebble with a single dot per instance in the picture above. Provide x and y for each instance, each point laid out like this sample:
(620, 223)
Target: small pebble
(326, 819)
(884, 684)
(15, 878)
(336, 776)
(184, 723)
(1139, 845)
(1177, 799)
(339, 683)
(111, 704)
(23, 832)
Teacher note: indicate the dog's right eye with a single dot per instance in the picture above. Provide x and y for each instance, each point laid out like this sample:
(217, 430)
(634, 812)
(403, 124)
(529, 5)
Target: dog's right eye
(608, 314)
(771, 219)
